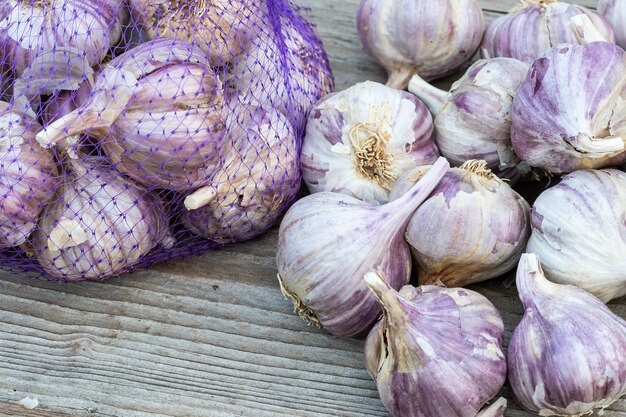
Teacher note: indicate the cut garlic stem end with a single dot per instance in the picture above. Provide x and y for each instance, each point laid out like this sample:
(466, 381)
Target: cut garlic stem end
(589, 144)
(200, 198)
(584, 30)
(389, 298)
(433, 97)
(494, 410)
(399, 78)
(66, 234)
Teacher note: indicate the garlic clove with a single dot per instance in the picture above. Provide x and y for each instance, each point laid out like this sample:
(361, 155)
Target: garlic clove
(436, 351)
(359, 141)
(432, 39)
(328, 241)
(473, 226)
(566, 357)
(585, 248)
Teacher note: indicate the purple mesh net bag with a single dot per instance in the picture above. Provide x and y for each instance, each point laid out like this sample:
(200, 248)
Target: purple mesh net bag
(133, 132)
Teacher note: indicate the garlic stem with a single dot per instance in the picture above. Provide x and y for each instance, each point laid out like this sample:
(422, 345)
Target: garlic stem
(200, 198)
(389, 298)
(399, 78)
(66, 234)
(433, 97)
(589, 144)
(531, 282)
(494, 410)
(584, 30)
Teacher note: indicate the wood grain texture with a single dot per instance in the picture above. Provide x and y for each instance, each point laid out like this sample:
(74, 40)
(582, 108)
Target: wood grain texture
(204, 336)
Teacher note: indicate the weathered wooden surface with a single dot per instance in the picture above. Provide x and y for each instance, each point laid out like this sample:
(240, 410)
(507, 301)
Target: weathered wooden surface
(206, 336)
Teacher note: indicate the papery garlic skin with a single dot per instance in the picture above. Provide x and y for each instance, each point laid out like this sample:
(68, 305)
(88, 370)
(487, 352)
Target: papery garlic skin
(328, 241)
(222, 28)
(28, 176)
(536, 26)
(473, 120)
(473, 226)
(615, 12)
(257, 180)
(163, 117)
(360, 140)
(287, 69)
(569, 113)
(432, 38)
(567, 356)
(578, 231)
(436, 352)
(99, 225)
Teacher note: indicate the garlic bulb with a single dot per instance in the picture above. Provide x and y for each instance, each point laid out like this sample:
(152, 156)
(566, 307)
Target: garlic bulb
(31, 27)
(569, 113)
(473, 227)
(222, 28)
(473, 120)
(287, 69)
(360, 140)
(432, 38)
(327, 242)
(158, 111)
(63, 102)
(28, 176)
(99, 225)
(257, 179)
(536, 26)
(615, 12)
(567, 355)
(586, 247)
(437, 352)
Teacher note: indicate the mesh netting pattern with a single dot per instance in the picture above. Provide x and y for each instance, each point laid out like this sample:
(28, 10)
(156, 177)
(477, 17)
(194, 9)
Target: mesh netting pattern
(137, 131)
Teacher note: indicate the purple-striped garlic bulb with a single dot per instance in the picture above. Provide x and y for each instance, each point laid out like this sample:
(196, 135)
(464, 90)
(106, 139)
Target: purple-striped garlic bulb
(158, 110)
(569, 112)
(222, 28)
(436, 352)
(578, 231)
(472, 227)
(361, 140)
(473, 120)
(31, 27)
(536, 26)
(328, 241)
(258, 178)
(287, 69)
(615, 12)
(100, 224)
(432, 38)
(567, 357)
(28, 176)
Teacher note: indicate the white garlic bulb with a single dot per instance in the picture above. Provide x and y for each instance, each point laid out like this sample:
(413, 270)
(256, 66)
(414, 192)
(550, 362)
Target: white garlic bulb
(578, 231)
(432, 38)
(473, 120)
(360, 140)
(567, 357)
(473, 227)
(100, 224)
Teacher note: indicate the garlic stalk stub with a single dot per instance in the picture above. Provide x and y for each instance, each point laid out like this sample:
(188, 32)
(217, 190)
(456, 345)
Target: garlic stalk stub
(615, 12)
(285, 67)
(569, 113)
(579, 233)
(99, 225)
(473, 226)
(256, 181)
(436, 352)
(473, 120)
(158, 110)
(567, 355)
(328, 241)
(432, 38)
(536, 26)
(359, 141)
(28, 176)
(222, 28)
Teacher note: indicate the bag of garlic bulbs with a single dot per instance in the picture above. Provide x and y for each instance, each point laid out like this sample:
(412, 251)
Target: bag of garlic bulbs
(137, 131)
